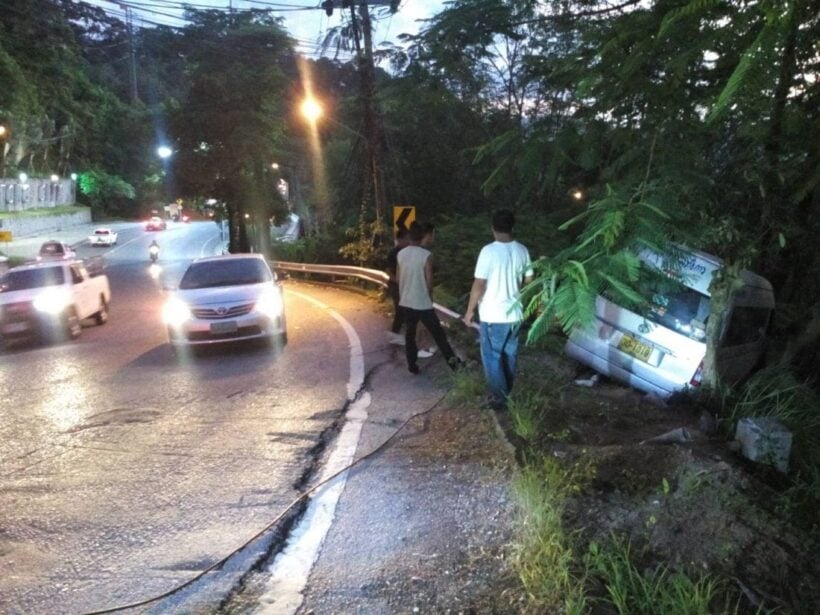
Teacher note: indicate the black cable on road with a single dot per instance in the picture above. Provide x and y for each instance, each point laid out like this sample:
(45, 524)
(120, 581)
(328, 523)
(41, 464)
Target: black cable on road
(270, 525)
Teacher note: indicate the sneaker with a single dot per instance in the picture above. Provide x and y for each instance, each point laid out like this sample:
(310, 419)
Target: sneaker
(424, 354)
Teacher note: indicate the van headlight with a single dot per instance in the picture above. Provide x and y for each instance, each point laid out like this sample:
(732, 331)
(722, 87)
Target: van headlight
(270, 303)
(175, 312)
(51, 301)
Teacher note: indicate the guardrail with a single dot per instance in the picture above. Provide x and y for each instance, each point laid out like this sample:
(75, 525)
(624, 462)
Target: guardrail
(380, 278)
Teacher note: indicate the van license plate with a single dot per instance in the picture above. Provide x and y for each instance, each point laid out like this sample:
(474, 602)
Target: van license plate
(223, 327)
(632, 346)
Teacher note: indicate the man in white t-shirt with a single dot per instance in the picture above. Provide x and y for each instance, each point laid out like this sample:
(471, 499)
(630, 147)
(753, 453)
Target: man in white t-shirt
(502, 267)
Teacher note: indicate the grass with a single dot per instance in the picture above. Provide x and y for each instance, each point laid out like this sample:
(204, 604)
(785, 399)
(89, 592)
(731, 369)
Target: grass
(466, 387)
(543, 553)
(661, 590)
(526, 407)
(775, 392)
(40, 213)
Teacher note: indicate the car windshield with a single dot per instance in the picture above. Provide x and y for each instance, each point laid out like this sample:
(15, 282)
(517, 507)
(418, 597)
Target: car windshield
(100, 232)
(31, 278)
(230, 272)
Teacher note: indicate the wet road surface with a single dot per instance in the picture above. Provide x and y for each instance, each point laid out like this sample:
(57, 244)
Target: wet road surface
(125, 469)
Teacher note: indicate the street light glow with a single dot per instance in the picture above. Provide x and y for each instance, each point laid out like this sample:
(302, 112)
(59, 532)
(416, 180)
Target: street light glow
(55, 177)
(311, 109)
(577, 195)
(73, 177)
(2, 131)
(23, 177)
(163, 151)
(274, 166)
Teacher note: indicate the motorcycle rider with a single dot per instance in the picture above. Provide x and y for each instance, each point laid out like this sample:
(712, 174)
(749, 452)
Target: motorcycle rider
(153, 251)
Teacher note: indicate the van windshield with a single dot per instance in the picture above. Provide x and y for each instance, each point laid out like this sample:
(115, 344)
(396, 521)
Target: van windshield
(683, 310)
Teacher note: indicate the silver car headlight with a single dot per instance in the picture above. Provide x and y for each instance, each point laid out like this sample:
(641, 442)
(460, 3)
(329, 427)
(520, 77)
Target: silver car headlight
(270, 303)
(175, 312)
(51, 301)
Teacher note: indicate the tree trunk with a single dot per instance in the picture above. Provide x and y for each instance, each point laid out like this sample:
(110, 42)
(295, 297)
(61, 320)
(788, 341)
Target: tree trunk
(725, 281)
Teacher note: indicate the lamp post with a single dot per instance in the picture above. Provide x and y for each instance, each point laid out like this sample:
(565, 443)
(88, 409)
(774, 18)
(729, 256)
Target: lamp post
(165, 152)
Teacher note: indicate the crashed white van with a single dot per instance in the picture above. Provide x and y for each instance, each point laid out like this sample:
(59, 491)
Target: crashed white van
(663, 351)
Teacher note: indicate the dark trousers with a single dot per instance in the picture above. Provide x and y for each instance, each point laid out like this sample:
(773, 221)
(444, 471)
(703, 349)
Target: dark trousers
(398, 314)
(430, 320)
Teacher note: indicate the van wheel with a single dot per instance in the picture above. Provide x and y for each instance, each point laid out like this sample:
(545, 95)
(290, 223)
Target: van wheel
(73, 328)
(101, 317)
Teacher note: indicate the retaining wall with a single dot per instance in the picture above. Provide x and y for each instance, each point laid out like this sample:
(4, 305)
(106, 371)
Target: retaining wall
(21, 227)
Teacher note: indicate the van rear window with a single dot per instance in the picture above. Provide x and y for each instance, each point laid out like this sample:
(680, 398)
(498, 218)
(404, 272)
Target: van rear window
(683, 310)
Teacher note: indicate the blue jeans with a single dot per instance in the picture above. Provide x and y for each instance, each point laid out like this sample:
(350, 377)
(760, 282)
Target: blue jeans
(499, 350)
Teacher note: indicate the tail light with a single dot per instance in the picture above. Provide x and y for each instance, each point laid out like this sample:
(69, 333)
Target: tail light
(698, 377)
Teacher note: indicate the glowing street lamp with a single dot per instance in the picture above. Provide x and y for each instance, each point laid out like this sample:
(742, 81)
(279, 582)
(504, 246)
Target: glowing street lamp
(55, 177)
(73, 177)
(3, 130)
(577, 194)
(23, 178)
(163, 151)
(274, 166)
(311, 109)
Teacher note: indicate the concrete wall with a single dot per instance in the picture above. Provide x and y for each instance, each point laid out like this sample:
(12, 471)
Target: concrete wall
(21, 227)
(16, 195)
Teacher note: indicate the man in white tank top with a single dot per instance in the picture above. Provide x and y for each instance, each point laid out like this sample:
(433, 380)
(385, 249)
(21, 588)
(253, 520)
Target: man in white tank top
(415, 279)
(501, 269)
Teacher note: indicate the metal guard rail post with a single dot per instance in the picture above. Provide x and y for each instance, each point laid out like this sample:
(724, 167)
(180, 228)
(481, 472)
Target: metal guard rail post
(380, 278)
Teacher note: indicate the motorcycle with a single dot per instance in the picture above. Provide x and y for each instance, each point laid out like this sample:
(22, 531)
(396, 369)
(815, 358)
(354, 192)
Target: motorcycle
(153, 253)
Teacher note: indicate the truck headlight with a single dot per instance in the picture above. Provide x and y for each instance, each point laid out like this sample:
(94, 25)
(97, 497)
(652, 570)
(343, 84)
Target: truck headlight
(270, 303)
(175, 312)
(51, 301)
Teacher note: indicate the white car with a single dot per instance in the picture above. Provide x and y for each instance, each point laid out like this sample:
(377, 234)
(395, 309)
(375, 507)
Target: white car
(226, 299)
(103, 237)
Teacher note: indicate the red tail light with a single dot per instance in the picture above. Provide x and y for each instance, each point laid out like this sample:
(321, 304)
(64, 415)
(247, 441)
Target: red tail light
(698, 377)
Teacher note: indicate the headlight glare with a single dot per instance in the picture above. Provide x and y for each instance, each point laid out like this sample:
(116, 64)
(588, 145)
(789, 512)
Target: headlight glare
(175, 312)
(270, 303)
(51, 301)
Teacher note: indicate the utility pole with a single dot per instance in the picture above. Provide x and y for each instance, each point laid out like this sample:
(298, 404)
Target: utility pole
(129, 24)
(372, 119)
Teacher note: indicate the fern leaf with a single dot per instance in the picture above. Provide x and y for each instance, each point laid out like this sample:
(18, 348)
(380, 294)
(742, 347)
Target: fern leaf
(694, 8)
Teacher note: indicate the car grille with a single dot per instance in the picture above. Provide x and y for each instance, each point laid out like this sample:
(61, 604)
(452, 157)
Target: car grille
(17, 311)
(222, 312)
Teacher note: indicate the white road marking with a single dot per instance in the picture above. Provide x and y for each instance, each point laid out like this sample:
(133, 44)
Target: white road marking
(291, 568)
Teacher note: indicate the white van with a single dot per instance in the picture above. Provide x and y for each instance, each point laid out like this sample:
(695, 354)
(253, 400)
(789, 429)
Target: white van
(663, 350)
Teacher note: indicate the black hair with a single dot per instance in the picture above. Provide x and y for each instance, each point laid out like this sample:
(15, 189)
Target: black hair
(503, 221)
(417, 232)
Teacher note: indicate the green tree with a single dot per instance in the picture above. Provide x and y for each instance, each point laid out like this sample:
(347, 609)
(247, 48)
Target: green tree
(230, 125)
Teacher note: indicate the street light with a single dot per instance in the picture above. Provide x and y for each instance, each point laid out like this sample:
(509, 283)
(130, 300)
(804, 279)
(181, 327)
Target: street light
(23, 178)
(311, 109)
(274, 166)
(73, 177)
(55, 177)
(163, 151)
(3, 131)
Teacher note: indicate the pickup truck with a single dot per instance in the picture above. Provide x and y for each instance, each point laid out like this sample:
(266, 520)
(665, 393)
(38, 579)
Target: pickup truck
(51, 299)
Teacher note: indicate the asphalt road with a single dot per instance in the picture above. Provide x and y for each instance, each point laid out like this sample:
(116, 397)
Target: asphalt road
(125, 469)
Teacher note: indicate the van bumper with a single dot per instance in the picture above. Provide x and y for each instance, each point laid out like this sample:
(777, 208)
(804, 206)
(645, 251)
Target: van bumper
(607, 368)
